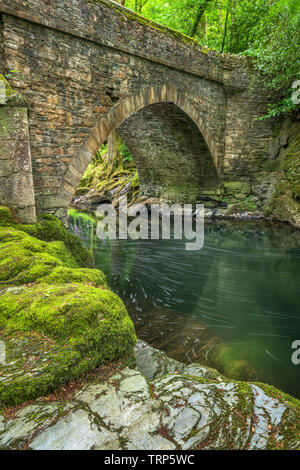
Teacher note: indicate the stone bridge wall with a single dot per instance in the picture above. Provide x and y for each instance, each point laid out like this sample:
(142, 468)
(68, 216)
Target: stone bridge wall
(88, 66)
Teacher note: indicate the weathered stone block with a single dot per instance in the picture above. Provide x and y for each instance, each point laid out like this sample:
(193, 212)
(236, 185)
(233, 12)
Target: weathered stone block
(17, 190)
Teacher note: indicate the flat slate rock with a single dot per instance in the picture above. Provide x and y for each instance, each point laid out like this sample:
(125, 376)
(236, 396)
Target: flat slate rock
(163, 406)
(25, 356)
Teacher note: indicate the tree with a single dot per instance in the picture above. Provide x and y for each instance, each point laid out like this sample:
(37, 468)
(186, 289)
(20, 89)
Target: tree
(199, 13)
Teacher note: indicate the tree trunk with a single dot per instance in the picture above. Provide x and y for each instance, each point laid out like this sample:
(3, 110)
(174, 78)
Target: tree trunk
(200, 12)
(114, 143)
(225, 27)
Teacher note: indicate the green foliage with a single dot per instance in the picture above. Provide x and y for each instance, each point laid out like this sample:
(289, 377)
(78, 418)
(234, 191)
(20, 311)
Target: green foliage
(105, 175)
(277, 54)
(125, 153)
(267, 30)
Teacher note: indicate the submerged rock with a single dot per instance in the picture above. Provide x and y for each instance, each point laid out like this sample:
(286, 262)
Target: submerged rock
(180, 407)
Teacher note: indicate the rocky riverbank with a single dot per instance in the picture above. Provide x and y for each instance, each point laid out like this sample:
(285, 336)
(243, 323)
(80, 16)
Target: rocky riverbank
(72, 376)
(160, 404)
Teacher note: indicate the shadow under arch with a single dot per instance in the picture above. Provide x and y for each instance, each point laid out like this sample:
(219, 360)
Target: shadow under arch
(120, 113)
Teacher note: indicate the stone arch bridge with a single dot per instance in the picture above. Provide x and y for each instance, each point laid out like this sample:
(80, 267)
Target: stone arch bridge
(88, 67)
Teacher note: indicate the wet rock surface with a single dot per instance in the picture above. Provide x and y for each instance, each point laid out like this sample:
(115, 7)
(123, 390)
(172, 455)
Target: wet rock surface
(160, 405)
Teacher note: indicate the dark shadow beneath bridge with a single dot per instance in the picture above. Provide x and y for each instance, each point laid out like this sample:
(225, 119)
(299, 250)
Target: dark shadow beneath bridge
(170, 153)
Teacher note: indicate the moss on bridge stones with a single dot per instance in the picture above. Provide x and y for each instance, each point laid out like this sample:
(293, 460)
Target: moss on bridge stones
(13, 98)
(45, 294)
(292, 167)
(134, 16)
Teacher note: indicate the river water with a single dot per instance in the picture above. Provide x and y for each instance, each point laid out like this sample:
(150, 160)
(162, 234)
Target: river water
(234, 305)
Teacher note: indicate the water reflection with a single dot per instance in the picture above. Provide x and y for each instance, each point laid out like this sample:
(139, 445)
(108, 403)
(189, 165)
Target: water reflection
(233, 305)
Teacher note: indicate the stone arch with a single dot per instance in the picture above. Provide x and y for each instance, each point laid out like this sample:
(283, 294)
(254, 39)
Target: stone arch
(120, 113)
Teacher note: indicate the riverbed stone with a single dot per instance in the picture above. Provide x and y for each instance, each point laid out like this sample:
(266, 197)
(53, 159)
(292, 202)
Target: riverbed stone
(172, 411)
(15, 432)
(135, 385)
(268, 413)
(76, 431)
(152, 362)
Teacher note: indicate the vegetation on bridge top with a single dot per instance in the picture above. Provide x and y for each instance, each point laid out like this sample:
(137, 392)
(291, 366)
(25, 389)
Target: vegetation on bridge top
(267, 31)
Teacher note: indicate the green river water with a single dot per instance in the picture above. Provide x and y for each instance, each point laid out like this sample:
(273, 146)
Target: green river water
(234, 305)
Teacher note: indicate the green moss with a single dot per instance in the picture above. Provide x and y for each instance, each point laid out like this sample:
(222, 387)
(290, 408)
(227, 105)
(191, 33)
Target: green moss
(292, 167)
(24, 259)
(6, 216)
(9, 90)
(91, 324)
(80, 314)
(81, 191)
(180, 192)
(237, 189)
(69, 305)
(48, 229)
(282, 206)
(13, 98)
(64, 363)
(125, 13)
(62, 275)
(60, 251)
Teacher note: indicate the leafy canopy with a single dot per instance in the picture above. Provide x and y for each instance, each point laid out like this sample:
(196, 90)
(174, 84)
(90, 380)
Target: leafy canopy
(268, 30)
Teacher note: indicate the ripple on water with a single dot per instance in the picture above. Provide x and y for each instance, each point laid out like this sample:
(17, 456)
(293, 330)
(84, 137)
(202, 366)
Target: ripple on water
(233, 305)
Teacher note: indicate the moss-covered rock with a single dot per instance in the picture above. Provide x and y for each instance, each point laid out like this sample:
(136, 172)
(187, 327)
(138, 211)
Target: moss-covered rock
(237, 189)
(6, 216)
(90, 326)
(49, 229)
(13, 98)
(282, 206)
(24, 259)
(62, 275)
(188, 408)
(44, 292)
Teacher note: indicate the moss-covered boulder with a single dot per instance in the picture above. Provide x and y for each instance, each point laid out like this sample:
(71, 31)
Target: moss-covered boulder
(44, 292)
(6, 216)
(64, 275)
(89, 326)
(24, 259)
(49, 229)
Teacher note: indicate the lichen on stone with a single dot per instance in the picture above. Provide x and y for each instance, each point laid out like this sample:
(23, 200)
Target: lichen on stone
(292, 167)
(13, 98)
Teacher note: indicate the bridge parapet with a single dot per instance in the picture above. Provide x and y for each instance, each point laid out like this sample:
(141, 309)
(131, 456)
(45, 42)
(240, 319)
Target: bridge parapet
(86, 66)
(108, 23)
